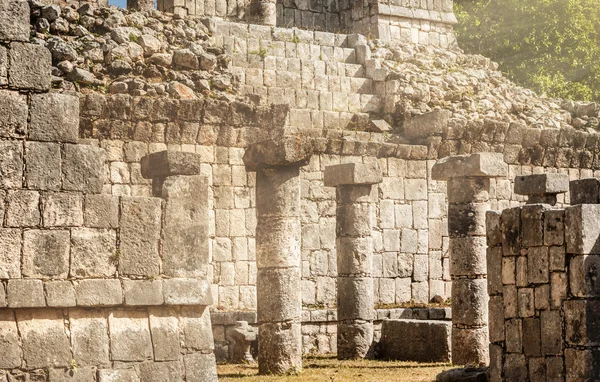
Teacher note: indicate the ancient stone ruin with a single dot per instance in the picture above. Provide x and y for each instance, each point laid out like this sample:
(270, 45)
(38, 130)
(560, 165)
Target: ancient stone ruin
(236, 181)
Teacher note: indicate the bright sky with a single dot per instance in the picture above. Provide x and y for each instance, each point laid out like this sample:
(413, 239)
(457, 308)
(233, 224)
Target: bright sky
(118, 3)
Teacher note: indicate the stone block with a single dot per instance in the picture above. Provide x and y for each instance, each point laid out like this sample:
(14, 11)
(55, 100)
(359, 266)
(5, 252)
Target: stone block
(280, 338)
(89, 336)
(164, 327)
(469, 300)
(583, 275)
(46, 253)
(10, 253)
(496, 318)
(353, 220)
(93, 252)
(470, 345)
(11, 164)
(129, 336)
(13, 107)
(355, 298)
(487, 165)
(514, 335)
(532, 223)
(468, 190)
(83, 168)
(541, 184)
(354, 256)
(3, 301)
(585, 191)
(62, 210)
(22, 208)
(537, 265)
(42, 169)
(101, 211)
(354, 339)
(531, 337)
(15, 14)
(30, 68)
(515, 368)
(278, 192)
(160, 371)
(197, 327)
(25, 294)
(510, 224)
(467, 219)
(98, 292)
(187, 292)
(117, 375)
(200, 367)
(60, 294)
(347, 174)
(43, 326)
(426, 125)
(582, 364)
(10, 347)
(54, 117)
(554, 227)
(278, 294)
(582, 229)
(284, 151)
(143, 292)
(278, 242)
(415, 340)
(185, 247)
(139, 236)
(468, 256)
(492, 224)
(82, 374)
(551, 327)
(166, 163)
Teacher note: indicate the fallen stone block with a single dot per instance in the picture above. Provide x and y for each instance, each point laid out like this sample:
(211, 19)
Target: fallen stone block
(415, 340)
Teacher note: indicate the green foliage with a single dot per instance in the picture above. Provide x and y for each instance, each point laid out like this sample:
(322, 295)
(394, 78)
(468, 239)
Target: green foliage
(550, 46)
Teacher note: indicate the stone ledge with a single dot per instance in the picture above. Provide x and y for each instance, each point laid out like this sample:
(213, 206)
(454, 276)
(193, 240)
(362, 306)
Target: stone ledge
(417, 14)
(34, 293)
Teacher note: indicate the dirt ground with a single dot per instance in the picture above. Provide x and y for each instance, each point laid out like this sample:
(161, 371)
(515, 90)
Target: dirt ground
(328, 368)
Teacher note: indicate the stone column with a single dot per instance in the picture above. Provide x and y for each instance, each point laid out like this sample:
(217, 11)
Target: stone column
(354, 248)
(542, 188)
(265, 12)
(278, 238)
(468, 179)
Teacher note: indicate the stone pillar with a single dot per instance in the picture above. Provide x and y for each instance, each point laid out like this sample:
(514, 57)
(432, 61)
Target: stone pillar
(265, 12)
(140, 5)
(542, 188)
(278, 238)
(468, 179)
(354, 246)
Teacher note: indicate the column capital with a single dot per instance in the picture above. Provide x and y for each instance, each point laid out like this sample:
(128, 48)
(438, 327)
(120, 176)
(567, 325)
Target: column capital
(353, 174)
(283, 151)
(541, 188)
(485, 165)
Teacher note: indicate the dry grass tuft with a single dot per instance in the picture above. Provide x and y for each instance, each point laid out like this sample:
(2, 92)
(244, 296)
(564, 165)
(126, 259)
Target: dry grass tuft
(328, 368)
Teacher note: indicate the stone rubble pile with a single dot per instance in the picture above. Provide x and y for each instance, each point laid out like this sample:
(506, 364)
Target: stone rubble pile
(425, 78)
(141, 53)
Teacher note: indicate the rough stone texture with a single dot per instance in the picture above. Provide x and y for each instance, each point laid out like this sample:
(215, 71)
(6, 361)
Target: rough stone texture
(164, 326)
(15, 16)
(62, 210)
(14, 108)
(585, 191)
(83, 168)
(168, 163)
(10, 349)
(285, 151)
(277, 342)
(581, 229)
(42, 169)
(60, 294)
(140, 233)
(25, 294)
(487, 165)
(97, 292)
(200, 367)
(45, 342)
(89, 335)
(415, 340)
(101, 211)
(46, 253)
(186, 292)
(93, 252)
(30, 67)
(352, 174)
(425, 125)
(129, 336)
(143, 292)
(541, 184)
(10, 253)
(11, 164)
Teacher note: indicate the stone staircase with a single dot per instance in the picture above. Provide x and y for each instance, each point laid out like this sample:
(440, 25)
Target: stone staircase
(321, 76)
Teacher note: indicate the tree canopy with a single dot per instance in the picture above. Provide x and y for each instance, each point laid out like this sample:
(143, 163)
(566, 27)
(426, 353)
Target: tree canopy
(550, 46)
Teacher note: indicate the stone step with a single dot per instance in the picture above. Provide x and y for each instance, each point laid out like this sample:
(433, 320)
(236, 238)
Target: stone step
(334, 68)
(323, 119)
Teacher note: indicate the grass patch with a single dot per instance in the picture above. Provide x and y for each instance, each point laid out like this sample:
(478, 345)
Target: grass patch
(328, 368)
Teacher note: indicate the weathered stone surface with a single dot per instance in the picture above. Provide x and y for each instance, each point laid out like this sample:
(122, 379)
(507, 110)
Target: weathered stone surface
(46, 253)
(22, 209)
(355, 298)
(185, 228)
(139, 236)
(168, 163)
(281, 345)
(353, 220)
(187, 292)
(532, 233)
(143, 292)
(469, 302)
(510, 224)
(492, 224)
(354, 256)
(496, 318)
(129, 336)
(425, 125)
(62, 210)
(101, 211)
(42, 170)
(89, 336)
(197, 328)
(582, 230)
(10, 348)
(82, 374)
(416, 340)
(284, 151)
(98, 292)
(11, 164)
(30, 67)
(83, 168)
(15, 26)
(554, 227)
(541, 184)
(470, 346)
(582, 365)
(278, 242)
(60, 294)
(515, 368)
(467, 256)
(531, 337)
(25, 294)
(278, 294)
(583, 275)
(354, 340)
(10, 253)
(352, 174)
(468, 190)
(200, 367)
(585, 191)
(93, 252)
(160, 371)
(278, 192)
(164, 327)
(488, 165)
(467, 219)
(13, 107)
(54, 117)
(45, 342)
(537, 265)
(551, 327)
(119, 375)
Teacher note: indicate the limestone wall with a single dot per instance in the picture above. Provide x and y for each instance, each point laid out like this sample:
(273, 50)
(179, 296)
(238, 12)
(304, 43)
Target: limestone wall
(542, 272)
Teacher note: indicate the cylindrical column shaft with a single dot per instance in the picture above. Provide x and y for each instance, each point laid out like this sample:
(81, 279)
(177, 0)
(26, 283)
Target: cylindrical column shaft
(265, 12)
(279, 303)
(468, 201)
(354, 261)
